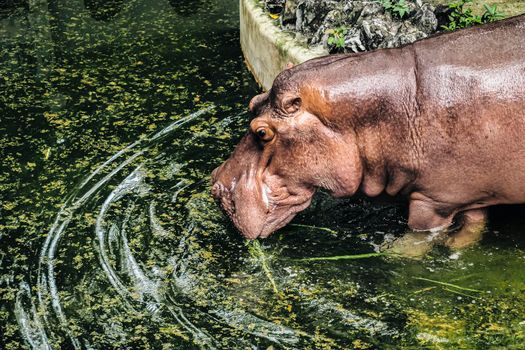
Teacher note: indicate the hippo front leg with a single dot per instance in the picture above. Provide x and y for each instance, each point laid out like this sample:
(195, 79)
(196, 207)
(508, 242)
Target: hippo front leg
(473, 223)
(422, 238)
(429, 216)
(428, 224)
(426, 215)
(414, 244)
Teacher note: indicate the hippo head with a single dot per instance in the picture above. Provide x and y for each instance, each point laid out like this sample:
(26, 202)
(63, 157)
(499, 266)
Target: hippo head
(291, 149)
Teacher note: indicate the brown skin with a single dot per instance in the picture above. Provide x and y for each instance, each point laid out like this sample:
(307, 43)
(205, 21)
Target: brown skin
(440, 121)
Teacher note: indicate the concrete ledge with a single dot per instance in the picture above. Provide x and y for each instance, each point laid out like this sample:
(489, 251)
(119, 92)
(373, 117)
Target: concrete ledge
(267, 50)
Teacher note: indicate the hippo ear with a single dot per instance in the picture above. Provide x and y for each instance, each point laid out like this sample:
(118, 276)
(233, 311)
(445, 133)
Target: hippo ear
(289, 65)
(292, 104)
(257, 101)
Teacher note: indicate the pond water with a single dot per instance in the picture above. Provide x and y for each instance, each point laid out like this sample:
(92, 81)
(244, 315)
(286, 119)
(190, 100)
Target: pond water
(113, 115)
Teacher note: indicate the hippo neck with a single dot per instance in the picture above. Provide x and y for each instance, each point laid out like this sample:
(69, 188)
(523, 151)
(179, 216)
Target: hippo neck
(389, 158)
(372, 96)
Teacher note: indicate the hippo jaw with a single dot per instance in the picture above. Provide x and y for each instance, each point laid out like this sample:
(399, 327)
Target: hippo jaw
(259, 205)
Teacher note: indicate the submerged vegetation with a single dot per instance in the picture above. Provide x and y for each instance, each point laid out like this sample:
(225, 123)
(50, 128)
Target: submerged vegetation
(257, 252)
(344, 257)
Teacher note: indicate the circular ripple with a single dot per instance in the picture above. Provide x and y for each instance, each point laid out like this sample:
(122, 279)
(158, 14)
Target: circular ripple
(160, 270)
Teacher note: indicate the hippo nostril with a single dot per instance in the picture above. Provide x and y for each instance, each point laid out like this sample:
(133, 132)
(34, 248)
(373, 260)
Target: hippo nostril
(216, 190)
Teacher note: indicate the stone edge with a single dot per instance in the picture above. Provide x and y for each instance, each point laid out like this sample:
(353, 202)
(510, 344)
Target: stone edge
(267, 50)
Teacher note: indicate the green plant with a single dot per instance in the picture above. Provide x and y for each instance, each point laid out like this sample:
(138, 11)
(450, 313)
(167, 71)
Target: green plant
(491, 14)
(336, 37)
(397, 8)
(461, 17)
(259, 255)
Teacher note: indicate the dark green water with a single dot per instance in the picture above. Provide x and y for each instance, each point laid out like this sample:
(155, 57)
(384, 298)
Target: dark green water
(113, 115)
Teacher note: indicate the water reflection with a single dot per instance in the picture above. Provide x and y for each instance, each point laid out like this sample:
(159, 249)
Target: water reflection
(103, 10)
(13, 7)
(186, 8)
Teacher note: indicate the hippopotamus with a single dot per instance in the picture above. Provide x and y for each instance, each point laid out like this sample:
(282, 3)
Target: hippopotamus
(439, 122)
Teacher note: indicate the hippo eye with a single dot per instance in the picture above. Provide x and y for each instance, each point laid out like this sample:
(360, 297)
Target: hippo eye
(264, 133)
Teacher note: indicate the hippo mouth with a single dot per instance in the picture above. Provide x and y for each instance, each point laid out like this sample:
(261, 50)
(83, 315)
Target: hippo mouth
(260, 213)
(275, 222)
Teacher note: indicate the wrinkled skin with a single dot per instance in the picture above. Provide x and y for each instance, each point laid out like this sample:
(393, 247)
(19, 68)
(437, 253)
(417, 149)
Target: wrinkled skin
(440, 121)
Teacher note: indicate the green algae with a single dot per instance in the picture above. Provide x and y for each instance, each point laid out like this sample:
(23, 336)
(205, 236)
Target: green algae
(344, 257)
(326, 229)
(450, 285)
(257, 252)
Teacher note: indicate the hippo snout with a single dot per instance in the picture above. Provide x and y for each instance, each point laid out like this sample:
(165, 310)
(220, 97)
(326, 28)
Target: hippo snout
(217, 190)
(223, 196)
(257, 202)
(214, 174)
(237, 199)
